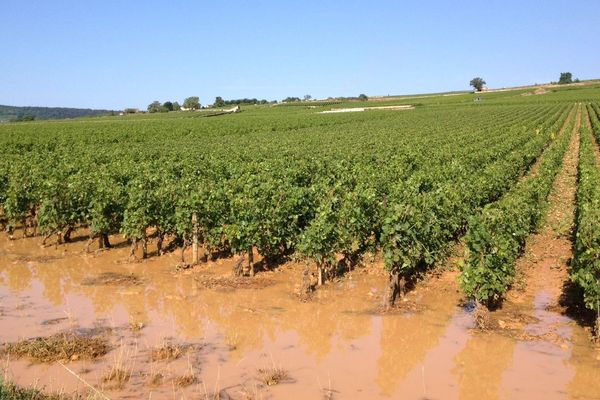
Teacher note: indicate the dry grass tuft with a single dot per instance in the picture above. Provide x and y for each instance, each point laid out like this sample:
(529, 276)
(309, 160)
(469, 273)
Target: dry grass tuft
(185, 380)
(121, 369)
(167, 352)
(272, 376)
(156, 379)
(118, 377)
(62, 346)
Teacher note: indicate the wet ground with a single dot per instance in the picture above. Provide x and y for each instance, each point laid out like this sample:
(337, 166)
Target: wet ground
(335, 345)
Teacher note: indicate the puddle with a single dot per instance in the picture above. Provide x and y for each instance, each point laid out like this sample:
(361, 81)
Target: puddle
(335, 344)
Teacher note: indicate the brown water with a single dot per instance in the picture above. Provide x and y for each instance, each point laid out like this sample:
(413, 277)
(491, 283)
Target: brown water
(335, 344)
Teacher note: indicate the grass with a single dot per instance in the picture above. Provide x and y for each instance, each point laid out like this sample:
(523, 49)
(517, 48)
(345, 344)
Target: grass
(155, 379)
(118, 376)
(167, 352)
(10, 391)
(67, 346)
(121, 369)
(272, 376)
(187, 379)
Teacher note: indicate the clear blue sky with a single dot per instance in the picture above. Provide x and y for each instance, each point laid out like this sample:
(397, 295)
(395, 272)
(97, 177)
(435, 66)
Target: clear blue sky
(116, 54)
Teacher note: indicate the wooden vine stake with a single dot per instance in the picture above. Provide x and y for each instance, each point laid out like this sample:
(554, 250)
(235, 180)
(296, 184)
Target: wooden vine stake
(194, 239)
(251, 261)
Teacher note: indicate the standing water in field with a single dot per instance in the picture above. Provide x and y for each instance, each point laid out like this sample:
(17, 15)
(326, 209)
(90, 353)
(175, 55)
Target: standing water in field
(191, 333)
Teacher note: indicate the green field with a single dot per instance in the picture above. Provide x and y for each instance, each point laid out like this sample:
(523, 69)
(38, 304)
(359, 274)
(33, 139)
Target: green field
(287, 181)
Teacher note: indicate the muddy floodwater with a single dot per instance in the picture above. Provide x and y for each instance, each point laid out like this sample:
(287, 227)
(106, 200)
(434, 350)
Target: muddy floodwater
(336, 345)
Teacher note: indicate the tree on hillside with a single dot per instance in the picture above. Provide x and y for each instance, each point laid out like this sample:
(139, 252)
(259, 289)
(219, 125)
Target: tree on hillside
(565, 77)
(192, 103)
(155, 106)
(219, 102)
(477, 83)
(167, 106)
(363, 97)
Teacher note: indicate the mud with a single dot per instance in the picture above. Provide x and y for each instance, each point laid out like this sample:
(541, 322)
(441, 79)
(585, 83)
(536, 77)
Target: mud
(111, 278)
(335, 346)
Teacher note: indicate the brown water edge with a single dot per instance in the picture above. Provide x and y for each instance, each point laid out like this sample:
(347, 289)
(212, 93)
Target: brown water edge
(333, 344)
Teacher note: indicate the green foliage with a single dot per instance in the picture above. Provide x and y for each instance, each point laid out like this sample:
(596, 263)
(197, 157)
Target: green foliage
(565, 78)
(192, 103)
(496, 237)
(11, 113)
(23, 118)
(477, 84)
(586, 268)
(154, 107)
(219, 102)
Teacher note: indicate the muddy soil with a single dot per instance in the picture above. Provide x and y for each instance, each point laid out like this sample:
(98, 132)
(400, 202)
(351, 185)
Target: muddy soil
(190, 333)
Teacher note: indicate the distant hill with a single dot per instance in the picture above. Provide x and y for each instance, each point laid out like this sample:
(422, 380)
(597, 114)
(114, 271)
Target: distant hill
(8, 113)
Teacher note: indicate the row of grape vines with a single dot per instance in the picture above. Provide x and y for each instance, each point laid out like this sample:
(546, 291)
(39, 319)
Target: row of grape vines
(496, 237)
(586, 266)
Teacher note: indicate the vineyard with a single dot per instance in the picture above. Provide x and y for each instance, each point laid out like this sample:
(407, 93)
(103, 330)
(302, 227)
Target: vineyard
(281, 183)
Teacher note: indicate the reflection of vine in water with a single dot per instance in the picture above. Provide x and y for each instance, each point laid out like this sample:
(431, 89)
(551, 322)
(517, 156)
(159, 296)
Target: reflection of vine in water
(53, 278)
(245, 317)
(407, 339)
(337, 313)
(177, 301)
(481, 364)
(19, 276)
(585, 361)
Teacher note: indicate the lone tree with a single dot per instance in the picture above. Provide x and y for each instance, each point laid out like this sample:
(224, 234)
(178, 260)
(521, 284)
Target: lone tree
(192, 103)
(477, 83)
(363, 97)
(565, 77)
(155, 106)
(307, 97)
(219, 102)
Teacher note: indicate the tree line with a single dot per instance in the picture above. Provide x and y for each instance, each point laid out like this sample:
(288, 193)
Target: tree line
(190, 103)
